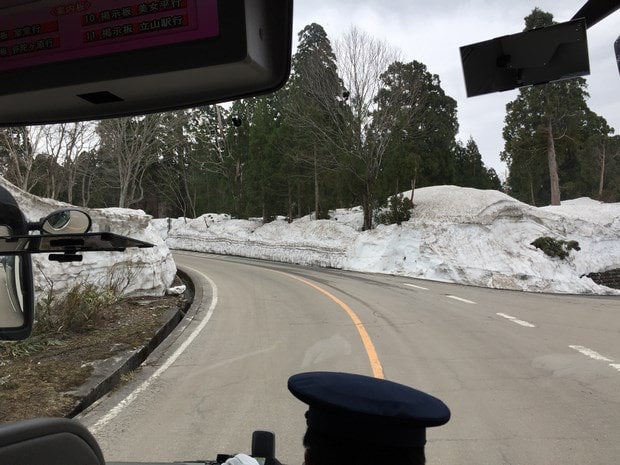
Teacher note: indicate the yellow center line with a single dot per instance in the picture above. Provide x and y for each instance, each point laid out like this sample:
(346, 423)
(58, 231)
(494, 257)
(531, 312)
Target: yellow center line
(375, 363)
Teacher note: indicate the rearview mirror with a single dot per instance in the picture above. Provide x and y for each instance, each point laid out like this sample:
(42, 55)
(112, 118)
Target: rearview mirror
(533, 57)
(67, 61)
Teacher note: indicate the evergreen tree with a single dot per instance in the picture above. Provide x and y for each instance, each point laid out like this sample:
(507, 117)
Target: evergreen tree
(313, 103)
(265, 187)
(221, 148)
(470, 169)
(174, 182)
(598, 157)
(423, 140)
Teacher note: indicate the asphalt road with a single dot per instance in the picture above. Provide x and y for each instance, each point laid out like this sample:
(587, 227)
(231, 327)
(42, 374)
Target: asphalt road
(530, 378)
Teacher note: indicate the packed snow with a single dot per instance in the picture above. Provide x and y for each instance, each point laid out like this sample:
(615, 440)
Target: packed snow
(455, 234)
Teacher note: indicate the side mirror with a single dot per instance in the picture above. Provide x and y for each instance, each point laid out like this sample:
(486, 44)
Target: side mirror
(69, 221)
(16, 297)
(16, 281)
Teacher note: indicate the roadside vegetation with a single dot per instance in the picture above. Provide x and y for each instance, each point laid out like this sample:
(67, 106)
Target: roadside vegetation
(556, 247)
(397, 211)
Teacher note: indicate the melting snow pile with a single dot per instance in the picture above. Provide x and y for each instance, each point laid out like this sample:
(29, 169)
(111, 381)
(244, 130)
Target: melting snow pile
(455, 234)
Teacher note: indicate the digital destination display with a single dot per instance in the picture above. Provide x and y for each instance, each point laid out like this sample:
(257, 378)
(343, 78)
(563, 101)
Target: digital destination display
(52, 31)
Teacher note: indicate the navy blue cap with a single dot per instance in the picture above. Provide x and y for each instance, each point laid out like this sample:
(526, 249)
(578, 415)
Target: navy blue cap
(368, 409)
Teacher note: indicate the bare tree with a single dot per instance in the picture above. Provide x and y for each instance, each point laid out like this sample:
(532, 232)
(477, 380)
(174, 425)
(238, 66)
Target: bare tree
(85, 174)
(131, 144)
(20, 147)
(63, 144)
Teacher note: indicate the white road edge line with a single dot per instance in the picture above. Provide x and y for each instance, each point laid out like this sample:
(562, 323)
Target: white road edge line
(516, 320)
(416, 287)
(460, 299)
(596, 356)
(177, 353)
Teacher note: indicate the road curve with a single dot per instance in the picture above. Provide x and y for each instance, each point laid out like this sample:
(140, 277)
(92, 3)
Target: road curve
(530, 379)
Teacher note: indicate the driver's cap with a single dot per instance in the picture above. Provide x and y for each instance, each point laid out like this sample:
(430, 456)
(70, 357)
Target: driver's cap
(367, 409)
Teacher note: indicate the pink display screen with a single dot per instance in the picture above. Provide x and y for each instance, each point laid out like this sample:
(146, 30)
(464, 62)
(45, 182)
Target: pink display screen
(54, 31)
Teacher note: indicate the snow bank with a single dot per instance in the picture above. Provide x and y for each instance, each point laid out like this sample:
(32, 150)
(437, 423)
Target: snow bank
(461, 235)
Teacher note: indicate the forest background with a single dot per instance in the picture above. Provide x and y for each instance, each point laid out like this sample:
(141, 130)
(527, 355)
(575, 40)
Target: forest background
(354, 125)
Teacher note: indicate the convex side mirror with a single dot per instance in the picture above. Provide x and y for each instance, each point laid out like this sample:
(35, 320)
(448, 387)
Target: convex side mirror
(67, 221)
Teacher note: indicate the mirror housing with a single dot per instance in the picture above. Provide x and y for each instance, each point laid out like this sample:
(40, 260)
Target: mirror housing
(12, 220)
(68, 243)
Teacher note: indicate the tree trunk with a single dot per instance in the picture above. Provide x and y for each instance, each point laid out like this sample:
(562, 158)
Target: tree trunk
(299, 200)
(237, 189)
(317, 213)
(86, 183)
(554, 179)
(70, 185)
(367, 207)
(601, 183)
(289, 207)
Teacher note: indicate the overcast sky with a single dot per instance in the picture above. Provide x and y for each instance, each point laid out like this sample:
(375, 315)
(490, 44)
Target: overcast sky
(432, 32)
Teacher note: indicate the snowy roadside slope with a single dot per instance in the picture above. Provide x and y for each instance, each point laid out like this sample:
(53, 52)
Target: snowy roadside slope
(135, 271)
(461, 235)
